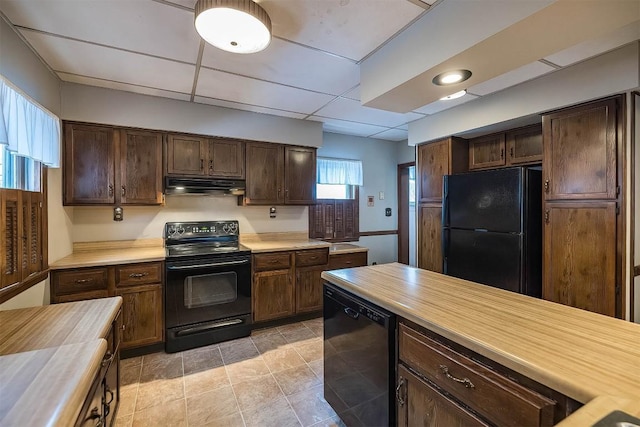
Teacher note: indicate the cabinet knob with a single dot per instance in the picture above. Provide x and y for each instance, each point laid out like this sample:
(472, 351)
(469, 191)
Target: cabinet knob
(123, 191)
(201, 164)
(546, 185)
(546, 216)
(110, 190)
(502, 153)
(511, 152)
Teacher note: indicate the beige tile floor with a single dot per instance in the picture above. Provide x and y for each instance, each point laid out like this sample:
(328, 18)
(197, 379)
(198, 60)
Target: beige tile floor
(273, 378)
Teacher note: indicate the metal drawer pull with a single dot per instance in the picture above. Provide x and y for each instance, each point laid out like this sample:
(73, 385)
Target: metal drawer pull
(81, 281)
(466, 381)
(138, 275)
(108, 358)
(399, 396)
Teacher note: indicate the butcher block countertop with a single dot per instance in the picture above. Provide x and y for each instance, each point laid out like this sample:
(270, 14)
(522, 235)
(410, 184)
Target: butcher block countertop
(586, 356)
(49, 357)
(47, 387)
(273, 242)
(54, 325)
(93, 254)
(345, 248)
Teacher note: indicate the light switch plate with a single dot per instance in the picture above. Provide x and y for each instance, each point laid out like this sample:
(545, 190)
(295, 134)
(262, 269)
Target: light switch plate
(381, 195)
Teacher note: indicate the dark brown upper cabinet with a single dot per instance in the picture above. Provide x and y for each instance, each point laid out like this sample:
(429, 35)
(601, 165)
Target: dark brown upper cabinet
(436, 159)
(107, 166)
(487, 152)
(278, 174)
(524, 145)
(580, 148)
(188, 155)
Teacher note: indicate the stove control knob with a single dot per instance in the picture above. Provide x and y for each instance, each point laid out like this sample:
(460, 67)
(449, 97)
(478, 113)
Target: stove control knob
(171, 231)
(225, 228)
(180, 231)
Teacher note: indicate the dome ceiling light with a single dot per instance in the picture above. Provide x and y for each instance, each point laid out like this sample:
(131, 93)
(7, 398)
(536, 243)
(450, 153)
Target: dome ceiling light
(454, 95)
(451, 77)
(238, 26)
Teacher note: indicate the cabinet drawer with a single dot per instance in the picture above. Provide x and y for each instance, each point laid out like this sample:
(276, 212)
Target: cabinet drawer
(86, 279)
(500, 400)
(354, 259)
(138, 274)
(312, 257)
(271, 261)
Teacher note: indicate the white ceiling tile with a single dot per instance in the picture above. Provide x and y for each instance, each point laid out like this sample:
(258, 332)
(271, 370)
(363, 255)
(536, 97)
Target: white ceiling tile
(349, 109)
(68, 56)
(124, 87)
(353, 93)
(141, 26)
(511, 78)
(436, 107)
(287, 63)
(225, 86)
(595, 47)
(348, 128)
(350, 28)
(392, 135)
(245, 107)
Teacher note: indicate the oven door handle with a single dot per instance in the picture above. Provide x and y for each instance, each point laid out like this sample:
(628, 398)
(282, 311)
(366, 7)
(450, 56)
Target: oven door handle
(215, 264)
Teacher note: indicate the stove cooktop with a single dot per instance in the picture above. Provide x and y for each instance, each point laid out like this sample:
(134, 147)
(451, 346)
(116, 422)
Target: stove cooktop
(202, 238)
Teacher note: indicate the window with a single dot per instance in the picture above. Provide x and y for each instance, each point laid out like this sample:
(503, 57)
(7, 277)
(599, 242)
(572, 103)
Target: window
(29, 139)
(335, 217)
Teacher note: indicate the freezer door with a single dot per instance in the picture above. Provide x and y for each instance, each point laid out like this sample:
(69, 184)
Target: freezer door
(492, 259)
(487, 200)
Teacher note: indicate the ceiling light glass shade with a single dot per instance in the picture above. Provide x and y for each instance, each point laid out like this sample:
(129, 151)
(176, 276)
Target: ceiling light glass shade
(239, 26)
(451, 77)
(454, 95)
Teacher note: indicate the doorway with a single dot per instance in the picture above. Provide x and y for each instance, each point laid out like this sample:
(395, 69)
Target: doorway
(407, 213)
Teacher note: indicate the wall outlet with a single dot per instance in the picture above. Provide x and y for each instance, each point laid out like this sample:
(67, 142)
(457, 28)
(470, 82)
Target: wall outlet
(272, 212)
(118, 214)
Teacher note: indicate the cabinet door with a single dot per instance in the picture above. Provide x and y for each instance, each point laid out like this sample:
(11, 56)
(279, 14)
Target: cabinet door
(433, 164)
(226, 159)
(524, 145)
(141, 315)
(419, 404)
(346, 224)
(11, 226)
(309, 288)
(265, 174)
(580, 152)
(111, 384)
(140, 167)
(186, 155)
(300, 175)
(89, 164)
(580, 255)
(430, 237)
(272, 295)
(487, 152)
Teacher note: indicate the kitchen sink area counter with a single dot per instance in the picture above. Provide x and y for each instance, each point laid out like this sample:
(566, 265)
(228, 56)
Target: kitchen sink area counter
(590, 358)
(91, 254)
(345, 248)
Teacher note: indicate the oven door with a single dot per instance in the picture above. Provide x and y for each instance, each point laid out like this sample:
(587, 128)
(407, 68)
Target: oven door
(207, 289)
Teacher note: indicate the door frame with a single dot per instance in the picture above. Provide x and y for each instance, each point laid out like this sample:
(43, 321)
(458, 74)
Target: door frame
(403, 212)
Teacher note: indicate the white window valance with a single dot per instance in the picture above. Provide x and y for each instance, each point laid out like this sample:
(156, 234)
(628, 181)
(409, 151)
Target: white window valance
(339, 171)
(27, 128)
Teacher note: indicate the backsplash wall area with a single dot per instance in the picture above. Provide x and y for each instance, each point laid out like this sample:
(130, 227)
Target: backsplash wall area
(147, 222)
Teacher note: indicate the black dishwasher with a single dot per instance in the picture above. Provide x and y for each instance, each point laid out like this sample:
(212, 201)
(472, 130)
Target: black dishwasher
(359, 359)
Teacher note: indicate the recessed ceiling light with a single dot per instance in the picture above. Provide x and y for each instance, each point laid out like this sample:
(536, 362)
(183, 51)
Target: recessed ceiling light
(238, 26)
(459, 94)
(451, 77)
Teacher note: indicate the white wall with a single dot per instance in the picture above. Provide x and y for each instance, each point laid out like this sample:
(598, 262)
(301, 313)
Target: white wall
(107, 106)
(379, 166)
(23, 68)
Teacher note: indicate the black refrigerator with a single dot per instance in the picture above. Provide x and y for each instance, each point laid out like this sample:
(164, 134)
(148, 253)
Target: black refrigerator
(492, 228)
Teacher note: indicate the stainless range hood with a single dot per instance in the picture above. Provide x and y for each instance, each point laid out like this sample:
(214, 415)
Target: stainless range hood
(192, 186)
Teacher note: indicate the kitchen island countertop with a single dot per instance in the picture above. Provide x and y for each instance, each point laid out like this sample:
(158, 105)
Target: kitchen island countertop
(591, 358)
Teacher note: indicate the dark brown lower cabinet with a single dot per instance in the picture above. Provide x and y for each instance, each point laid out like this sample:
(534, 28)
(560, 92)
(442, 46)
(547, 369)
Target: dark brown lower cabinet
(141, 315)
(580, 255)
(347, 260)
(139, 285)
(309, 288)
(272, 295)
(420, 404)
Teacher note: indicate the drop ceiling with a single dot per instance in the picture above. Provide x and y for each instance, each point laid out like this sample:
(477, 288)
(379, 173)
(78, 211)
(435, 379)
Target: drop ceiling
(312, 68)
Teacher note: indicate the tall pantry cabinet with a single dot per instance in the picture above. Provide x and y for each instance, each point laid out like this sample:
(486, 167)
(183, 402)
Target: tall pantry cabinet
(434, 160)
(582, 222)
